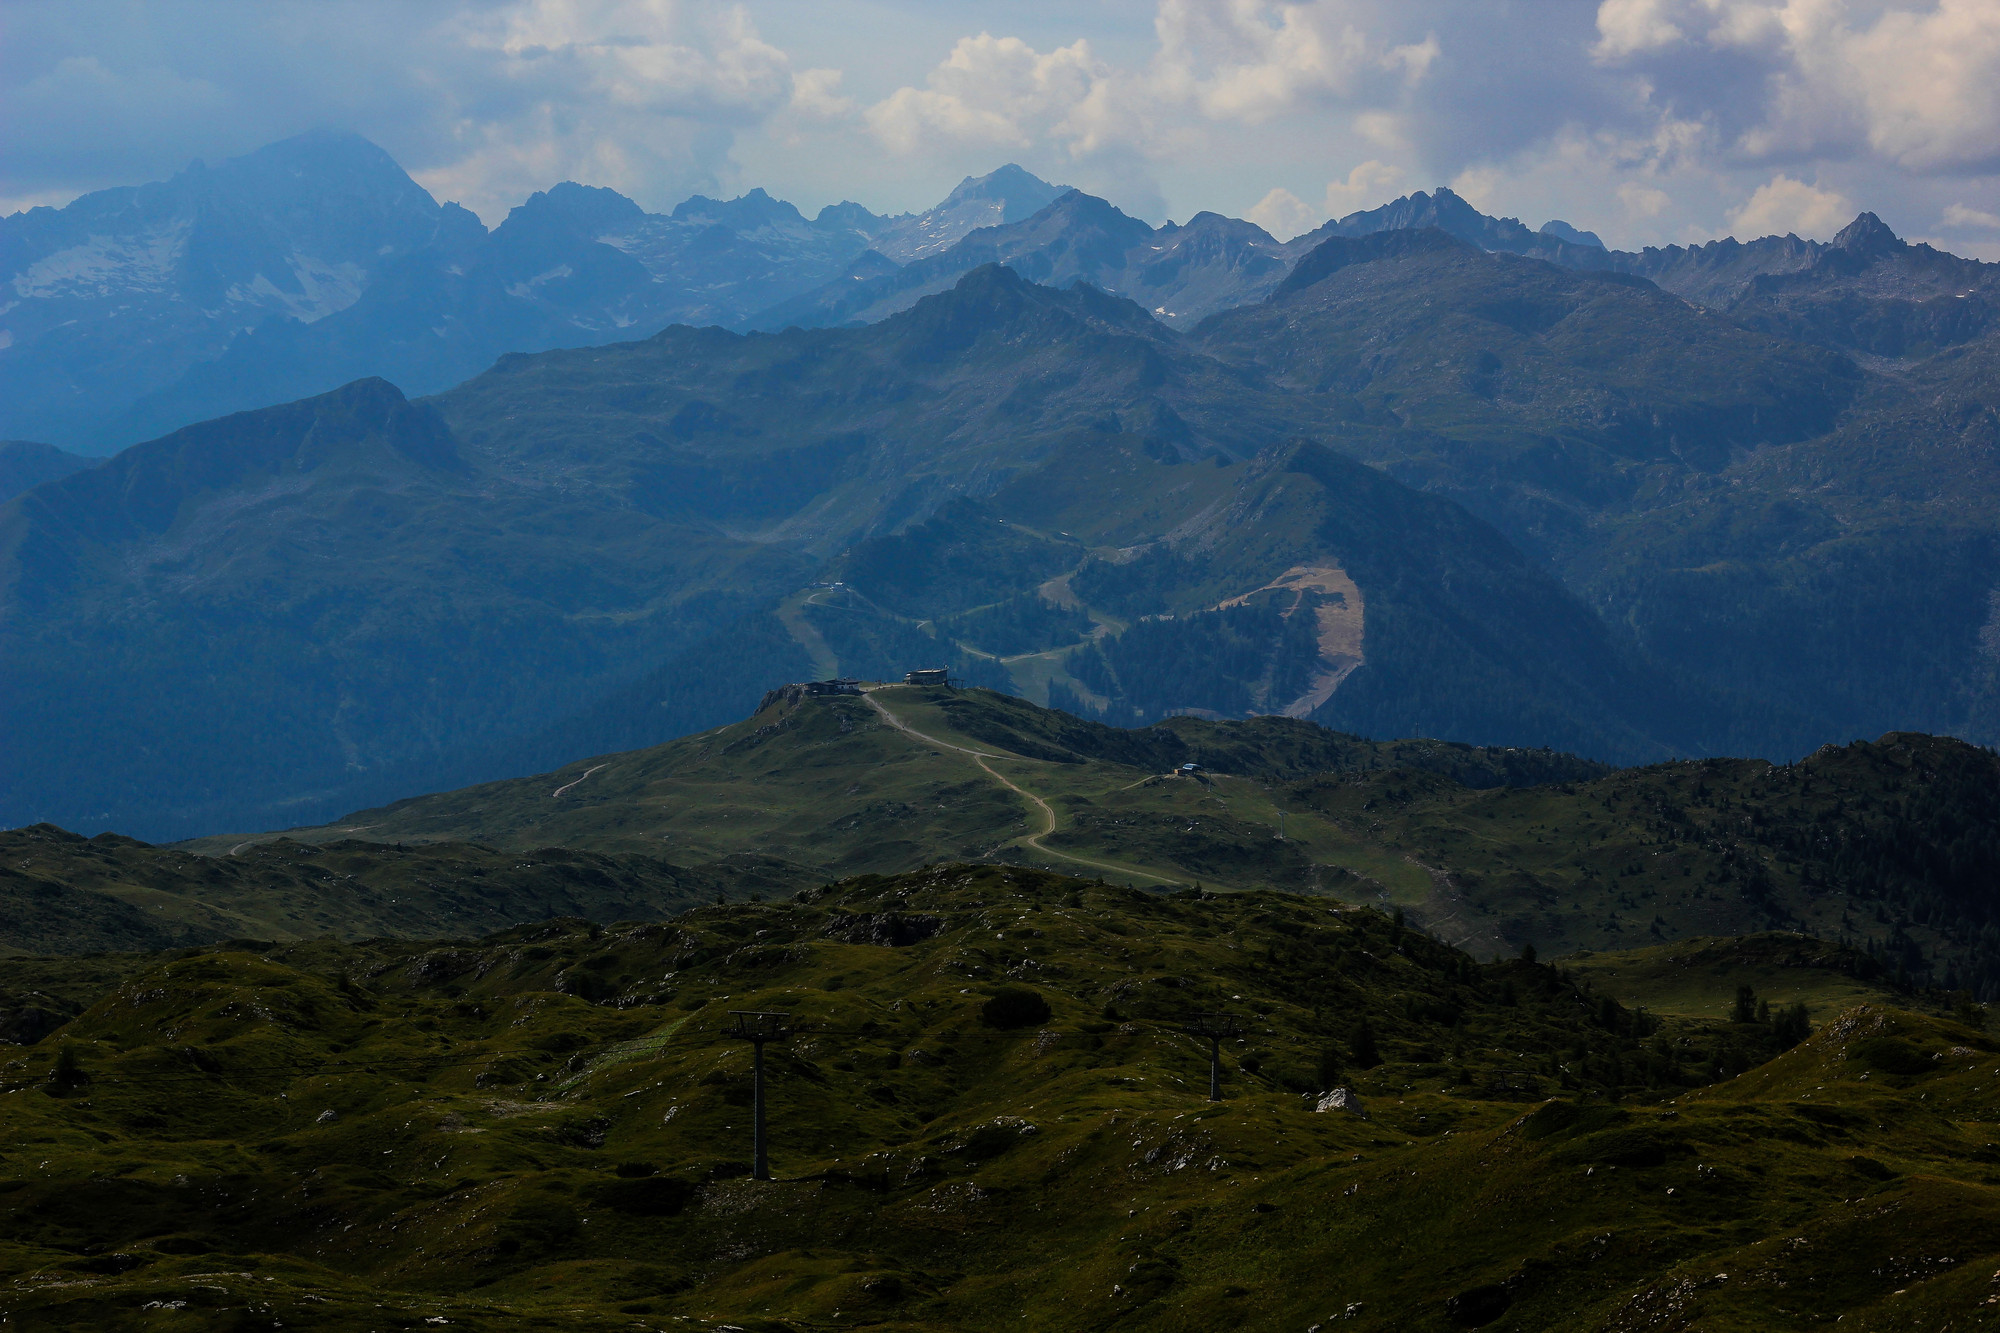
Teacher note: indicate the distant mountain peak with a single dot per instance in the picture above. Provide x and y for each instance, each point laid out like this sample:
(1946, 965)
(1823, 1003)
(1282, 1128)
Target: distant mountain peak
(1562, 231)
(1339, 252)
(320, 145)
(993, 301)
(746, 212)
(1868, 235)
(1442, 209)
(1010, 194)
(846, 213)
(1076, 206)
(591, 209)
(1020, 191)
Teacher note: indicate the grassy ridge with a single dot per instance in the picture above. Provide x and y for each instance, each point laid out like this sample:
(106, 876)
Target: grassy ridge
(1891, 845)
(546, 1129)
(1888, 845)
(830, 786)
(71, 894)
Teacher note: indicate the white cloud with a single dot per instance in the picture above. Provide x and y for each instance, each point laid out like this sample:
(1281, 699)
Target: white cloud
(1643, 201)
(1217, 62)
(1369, 184)
(481, 101)
(998, 92)
(1248, 61)
(1915, 83)
(816, 93)
(1628, 26)
(618, 92)
(1931, 85)
(1479, 186)
(1646, 120)
(1283, 214)
(1958, 215)
(1782, 205)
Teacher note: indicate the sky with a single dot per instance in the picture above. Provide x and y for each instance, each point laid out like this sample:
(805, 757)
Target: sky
(1648, 121)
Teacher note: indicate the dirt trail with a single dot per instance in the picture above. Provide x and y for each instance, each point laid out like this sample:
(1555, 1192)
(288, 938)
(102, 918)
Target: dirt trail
(567, 785)
(1439, 915)
(1048, 813)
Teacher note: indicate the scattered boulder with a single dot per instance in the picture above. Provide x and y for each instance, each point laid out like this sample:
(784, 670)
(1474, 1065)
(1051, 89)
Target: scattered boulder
(892, 930)
(993, 1137)
(1341, 1099)
(441, 965)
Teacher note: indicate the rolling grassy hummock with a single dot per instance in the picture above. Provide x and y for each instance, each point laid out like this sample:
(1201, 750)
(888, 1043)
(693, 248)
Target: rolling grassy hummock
(547, 1128)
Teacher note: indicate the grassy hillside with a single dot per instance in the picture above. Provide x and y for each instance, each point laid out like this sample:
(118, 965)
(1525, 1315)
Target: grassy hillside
(1892, 845)
(819, 787)
(1887, 845)
(70, 894)
(1702, 977)
(548, 1129)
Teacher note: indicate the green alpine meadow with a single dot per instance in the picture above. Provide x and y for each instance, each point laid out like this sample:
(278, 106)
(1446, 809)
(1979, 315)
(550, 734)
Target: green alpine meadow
(1500, 1037)
(987, 1113)
(1175, 666)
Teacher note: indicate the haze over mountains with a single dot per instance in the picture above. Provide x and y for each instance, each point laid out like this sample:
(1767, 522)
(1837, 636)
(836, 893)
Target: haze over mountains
(317, 261)
(1418, 472)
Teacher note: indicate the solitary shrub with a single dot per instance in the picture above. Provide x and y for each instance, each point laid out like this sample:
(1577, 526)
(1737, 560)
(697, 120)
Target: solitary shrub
(1362, 1047)
(1329, 1067)
(1015, 1007)
(68, 1072)
(1790, 1026)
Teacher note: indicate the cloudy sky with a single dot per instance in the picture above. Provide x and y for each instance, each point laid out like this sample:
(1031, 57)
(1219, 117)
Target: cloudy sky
(1649, 121)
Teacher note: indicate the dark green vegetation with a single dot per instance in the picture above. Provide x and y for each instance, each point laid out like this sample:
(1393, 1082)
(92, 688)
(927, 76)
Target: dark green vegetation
(811, 788)
(1889, 846)
(1893, 847)
(547, 1129)
(63, 893)
(1422, 490)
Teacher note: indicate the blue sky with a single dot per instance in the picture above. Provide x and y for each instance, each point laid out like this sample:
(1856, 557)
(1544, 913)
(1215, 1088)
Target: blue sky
(1649, 121)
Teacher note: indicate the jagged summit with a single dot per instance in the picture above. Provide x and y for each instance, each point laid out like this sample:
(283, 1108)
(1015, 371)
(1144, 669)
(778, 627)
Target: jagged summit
(1019, 193)
(995, 199)
(746, 212)
(1868, 235)
(1442, 209)
(592, 210)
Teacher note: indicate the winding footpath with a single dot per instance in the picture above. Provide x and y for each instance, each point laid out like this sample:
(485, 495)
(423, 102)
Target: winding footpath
(1048, 813)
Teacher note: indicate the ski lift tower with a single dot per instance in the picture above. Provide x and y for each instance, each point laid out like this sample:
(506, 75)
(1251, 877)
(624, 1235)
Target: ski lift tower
(1214, 1029)
(757, 1027)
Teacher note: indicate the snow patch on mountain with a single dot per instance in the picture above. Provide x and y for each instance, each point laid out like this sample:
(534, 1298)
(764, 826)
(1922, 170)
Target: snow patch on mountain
(102, 266)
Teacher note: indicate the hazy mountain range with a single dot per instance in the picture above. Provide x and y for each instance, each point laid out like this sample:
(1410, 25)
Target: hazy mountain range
(317, 261)
(1422, 472)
